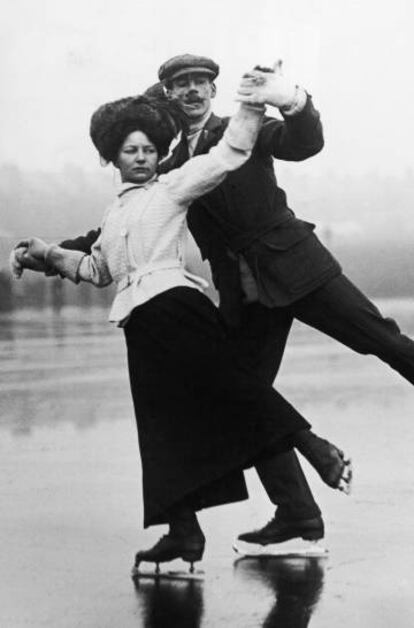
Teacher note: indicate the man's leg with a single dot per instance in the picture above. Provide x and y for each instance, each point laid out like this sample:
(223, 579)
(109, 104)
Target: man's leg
(297, 514)
(286, 485)
(259, 346)
(259, 343)
(343, 312)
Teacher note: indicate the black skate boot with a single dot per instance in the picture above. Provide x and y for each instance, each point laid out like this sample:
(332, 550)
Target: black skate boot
(170, 547)
(279, 530)
(330, 462)
(185, 540)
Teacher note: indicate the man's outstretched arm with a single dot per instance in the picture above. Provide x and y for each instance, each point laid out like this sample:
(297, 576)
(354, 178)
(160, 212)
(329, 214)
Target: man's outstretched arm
(297, 137)
(82, 243)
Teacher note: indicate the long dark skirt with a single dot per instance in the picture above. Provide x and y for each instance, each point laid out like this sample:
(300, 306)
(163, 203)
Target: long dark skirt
(201, 420)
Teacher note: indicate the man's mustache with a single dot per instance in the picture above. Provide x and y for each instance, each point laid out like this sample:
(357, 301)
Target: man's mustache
(193, 99)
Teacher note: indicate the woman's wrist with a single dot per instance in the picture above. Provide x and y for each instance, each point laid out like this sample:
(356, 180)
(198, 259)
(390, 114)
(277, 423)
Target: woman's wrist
(46, 253)
(260, 107)
(244, 126)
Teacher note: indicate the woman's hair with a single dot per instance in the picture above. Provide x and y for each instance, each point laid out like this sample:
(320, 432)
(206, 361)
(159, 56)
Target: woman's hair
(158, 118)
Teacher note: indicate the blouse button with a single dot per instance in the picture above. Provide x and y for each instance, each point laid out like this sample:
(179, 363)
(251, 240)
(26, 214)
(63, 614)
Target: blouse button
(123, 232)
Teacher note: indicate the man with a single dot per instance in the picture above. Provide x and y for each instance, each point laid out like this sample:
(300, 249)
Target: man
(189, 81)
(267, 265)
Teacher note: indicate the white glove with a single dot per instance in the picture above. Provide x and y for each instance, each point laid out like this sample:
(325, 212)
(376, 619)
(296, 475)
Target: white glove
(263, 86)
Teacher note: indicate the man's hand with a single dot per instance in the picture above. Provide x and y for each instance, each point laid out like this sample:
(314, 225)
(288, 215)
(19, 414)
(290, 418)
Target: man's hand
(35, 248)
(15, 263)
(265, 86)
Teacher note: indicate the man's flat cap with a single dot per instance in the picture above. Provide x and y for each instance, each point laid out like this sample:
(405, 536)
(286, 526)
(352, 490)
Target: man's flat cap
(184, 64)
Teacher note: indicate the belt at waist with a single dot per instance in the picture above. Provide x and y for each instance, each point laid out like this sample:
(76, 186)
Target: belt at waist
(135, 275)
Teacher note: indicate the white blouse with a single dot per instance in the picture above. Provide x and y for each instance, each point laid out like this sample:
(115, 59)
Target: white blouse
(141, 246)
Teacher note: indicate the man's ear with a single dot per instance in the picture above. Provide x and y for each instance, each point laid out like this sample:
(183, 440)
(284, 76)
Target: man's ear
(168, 92)
(213, 90)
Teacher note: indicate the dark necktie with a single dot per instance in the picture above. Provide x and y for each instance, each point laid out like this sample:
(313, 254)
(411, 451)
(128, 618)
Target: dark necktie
(181, 154)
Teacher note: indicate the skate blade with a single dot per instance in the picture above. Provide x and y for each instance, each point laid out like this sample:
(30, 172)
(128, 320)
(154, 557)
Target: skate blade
(286, 550)
(345, 483)
(137, 574)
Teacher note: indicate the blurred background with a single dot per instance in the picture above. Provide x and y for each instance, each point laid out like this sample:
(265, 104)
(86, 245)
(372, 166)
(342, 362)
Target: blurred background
(59, 61)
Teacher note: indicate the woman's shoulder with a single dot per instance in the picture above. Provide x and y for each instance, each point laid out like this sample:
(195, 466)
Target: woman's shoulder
(169, 183)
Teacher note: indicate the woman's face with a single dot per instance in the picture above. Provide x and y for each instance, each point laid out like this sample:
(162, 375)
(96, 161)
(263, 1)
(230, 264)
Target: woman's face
(137, 158)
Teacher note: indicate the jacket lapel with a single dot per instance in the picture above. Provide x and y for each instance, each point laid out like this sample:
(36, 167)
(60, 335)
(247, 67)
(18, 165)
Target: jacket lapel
(210, 135)
(178, 156)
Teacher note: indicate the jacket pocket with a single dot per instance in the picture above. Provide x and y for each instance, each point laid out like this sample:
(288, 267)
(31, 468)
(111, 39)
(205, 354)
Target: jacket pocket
(297, 268)
(284, 237)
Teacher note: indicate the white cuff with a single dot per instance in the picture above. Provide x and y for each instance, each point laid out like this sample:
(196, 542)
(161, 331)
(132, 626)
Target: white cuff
(65, 261)
(244, 126)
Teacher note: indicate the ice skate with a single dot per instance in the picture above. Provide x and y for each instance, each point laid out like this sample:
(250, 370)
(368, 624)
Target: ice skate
(170, 547)
(281, 538)
(289, 549)
(279, 530)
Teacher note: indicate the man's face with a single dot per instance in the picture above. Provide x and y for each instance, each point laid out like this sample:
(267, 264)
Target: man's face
(193, 92)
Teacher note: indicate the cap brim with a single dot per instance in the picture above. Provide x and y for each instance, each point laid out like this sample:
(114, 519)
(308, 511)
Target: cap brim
(191, 70)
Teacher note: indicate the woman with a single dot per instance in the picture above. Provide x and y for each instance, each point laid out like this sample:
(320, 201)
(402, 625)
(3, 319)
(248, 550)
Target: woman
(200, 419)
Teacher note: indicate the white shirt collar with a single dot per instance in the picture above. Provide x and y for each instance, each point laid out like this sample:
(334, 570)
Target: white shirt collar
(197, 126)
(124, 187)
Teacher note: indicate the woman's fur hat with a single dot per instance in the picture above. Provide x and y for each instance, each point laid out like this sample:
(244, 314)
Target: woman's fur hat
(157, 117)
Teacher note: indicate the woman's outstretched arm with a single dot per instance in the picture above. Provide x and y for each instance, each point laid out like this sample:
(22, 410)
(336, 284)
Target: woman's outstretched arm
(203, 173)
(75, 265)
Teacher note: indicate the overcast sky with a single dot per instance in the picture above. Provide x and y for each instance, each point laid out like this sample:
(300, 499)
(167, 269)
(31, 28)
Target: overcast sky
(60, 60)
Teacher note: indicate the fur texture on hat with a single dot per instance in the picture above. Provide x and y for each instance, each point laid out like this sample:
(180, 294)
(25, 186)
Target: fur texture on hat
(159, 119)
(156, 91)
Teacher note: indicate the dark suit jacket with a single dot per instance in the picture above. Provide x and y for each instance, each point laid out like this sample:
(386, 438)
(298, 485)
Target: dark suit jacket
(248, 215)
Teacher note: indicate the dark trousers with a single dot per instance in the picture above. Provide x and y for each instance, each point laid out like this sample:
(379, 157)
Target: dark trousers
(258, 346)
(344, 313)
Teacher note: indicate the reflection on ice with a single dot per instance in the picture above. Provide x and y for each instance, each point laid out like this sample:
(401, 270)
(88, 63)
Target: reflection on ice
(296, 584)
(54, 369)
(165, 604)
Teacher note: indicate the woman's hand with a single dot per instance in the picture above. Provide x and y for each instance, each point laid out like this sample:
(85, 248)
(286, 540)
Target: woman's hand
(29, 254)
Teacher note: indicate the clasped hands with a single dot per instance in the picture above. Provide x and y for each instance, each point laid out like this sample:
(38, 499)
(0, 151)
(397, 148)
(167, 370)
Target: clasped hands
(263, 86)
(31, 254)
